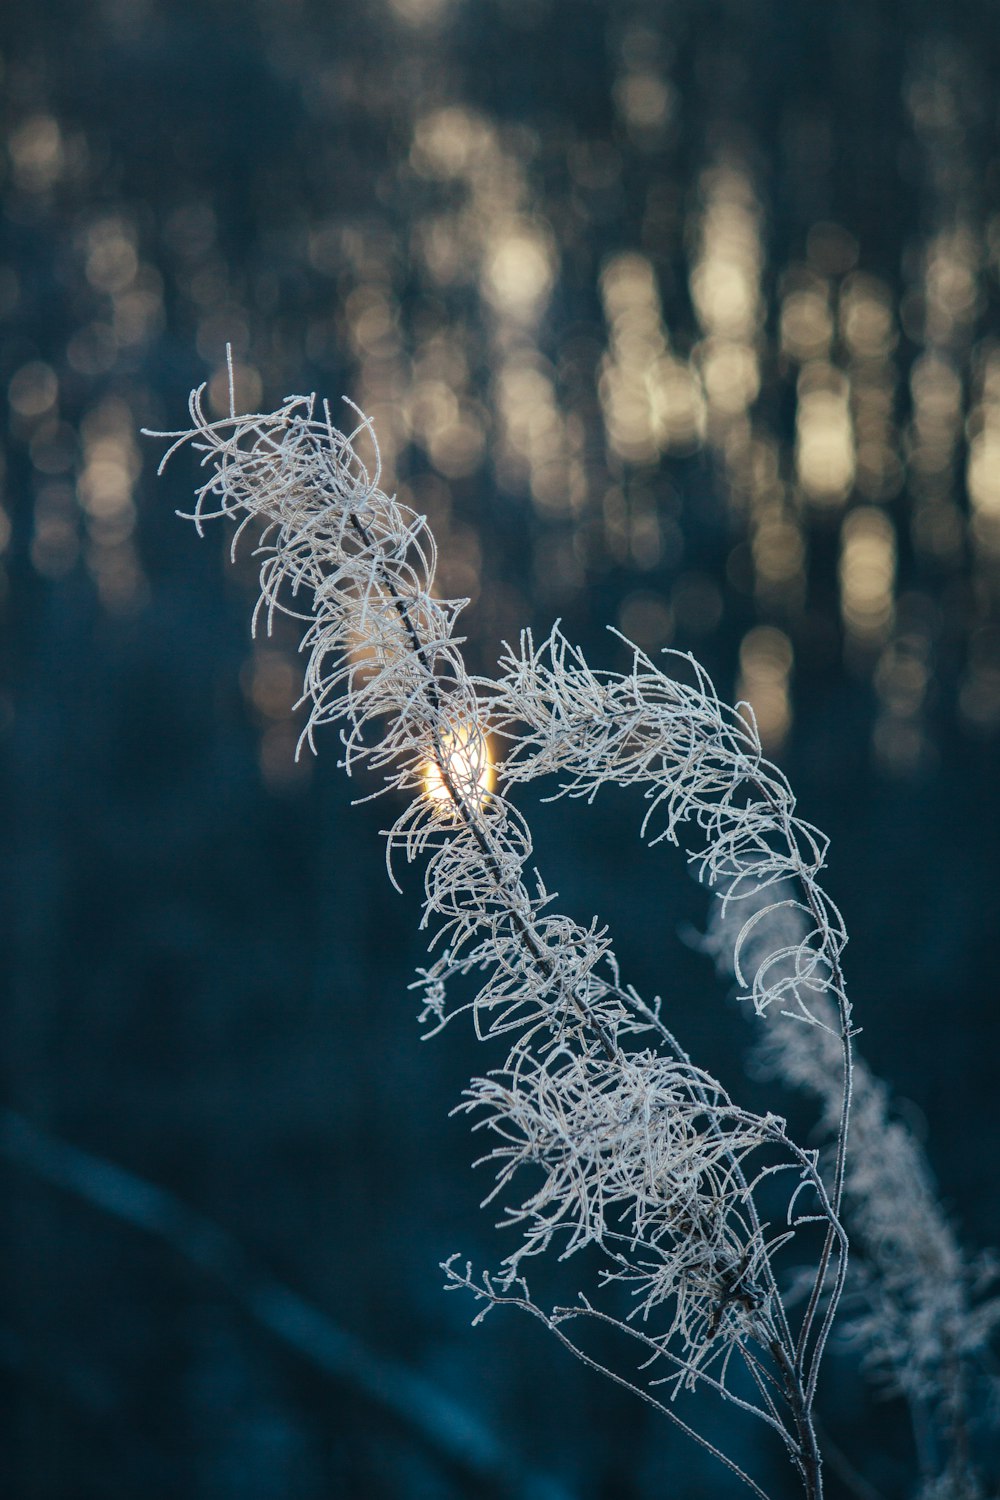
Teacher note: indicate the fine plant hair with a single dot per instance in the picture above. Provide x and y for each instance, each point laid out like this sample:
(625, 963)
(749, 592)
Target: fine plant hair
(919, 1308)
(640, 1167)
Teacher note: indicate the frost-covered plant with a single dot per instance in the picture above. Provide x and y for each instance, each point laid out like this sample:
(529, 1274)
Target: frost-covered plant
(606, 1141)
(919, 1308)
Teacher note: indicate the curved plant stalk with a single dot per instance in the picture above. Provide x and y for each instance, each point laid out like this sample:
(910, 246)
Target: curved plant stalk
(645, 1162)
(921, 1310)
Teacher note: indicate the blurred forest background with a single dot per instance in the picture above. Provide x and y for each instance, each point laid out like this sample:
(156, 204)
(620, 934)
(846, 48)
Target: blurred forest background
(677, 315)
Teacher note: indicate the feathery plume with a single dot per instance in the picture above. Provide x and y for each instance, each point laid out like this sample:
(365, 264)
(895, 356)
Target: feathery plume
(631, 1152)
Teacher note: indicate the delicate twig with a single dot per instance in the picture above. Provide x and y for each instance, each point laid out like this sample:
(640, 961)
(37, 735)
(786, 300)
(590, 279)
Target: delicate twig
(552, 1323)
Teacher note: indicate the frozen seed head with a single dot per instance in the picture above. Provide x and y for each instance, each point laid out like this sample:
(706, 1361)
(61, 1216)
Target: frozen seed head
(597, 1140)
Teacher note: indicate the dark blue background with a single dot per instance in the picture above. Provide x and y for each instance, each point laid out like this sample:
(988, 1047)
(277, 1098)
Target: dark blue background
(205, 970)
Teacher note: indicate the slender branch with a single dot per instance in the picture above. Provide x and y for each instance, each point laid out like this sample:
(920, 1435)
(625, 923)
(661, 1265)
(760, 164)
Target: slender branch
(526, 1305)
(833, 959)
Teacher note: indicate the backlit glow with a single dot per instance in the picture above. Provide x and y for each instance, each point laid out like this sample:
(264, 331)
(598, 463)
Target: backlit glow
(464, 766)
